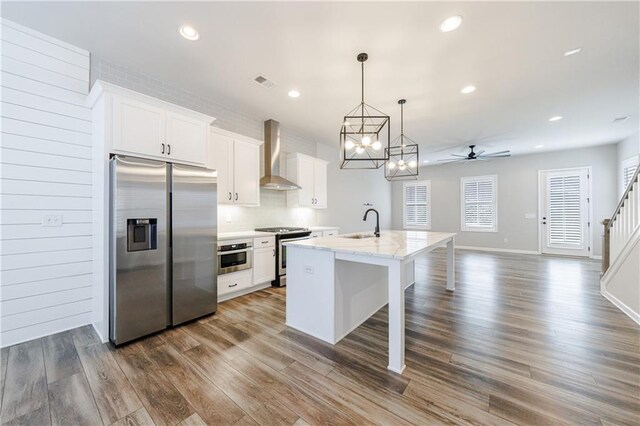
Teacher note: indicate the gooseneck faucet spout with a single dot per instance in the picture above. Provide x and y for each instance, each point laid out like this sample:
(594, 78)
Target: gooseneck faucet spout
(377, 230)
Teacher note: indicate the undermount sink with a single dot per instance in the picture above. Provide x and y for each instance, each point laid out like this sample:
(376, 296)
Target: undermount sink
(358, 236)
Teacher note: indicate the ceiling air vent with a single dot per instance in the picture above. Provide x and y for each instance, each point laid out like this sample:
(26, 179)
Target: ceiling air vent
(621, 119)
(264, 81)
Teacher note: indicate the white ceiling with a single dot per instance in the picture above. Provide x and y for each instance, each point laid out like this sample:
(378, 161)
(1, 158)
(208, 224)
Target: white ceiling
(512, 52)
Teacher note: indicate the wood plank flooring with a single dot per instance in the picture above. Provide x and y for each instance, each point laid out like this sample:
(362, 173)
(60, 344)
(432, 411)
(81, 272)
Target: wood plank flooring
(523, 340)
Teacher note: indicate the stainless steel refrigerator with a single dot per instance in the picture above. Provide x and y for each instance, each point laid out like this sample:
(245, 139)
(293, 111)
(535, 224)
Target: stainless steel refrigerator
(163, 243)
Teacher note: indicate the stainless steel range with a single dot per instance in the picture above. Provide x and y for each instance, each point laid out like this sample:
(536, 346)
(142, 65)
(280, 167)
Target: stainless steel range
(284, 234)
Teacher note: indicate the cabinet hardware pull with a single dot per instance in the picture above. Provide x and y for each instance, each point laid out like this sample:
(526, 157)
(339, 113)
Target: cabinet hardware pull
(233, 285)
(229, 196)
(168, 149)
(162, 148)
(236, 196)
(274, 252)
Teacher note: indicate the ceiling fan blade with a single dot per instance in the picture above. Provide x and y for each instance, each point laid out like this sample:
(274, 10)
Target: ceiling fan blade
(499, 152)
(458, 155)
(480, 152)
(459, 160)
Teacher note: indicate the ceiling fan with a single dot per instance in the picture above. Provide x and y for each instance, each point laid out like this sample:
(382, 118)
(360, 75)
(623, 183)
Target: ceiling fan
(480, 155)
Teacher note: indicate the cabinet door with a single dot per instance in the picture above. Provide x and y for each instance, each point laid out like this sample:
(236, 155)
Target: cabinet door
(246, 173)
(221, 157)
(186, 139)
(320, 184)
(331, 233)
(264, 265)
(316, 234)
(138, 128)
(306, 178)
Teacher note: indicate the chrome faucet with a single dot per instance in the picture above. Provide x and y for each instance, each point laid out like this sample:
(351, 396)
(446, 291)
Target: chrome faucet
(377, 230)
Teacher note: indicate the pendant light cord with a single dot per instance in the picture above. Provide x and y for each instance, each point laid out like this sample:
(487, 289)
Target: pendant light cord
(362, 93)
(402, 131)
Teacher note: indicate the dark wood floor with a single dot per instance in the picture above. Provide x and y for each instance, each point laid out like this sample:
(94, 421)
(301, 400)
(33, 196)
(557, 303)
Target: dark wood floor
(524, 339)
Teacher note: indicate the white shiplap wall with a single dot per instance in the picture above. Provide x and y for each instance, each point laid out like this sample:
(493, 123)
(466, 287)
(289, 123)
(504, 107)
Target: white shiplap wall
(45, 160)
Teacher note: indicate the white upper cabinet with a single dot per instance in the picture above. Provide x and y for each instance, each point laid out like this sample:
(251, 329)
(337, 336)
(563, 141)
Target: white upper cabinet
(237, 160)
(186, 138)
(311, 174)
(138, 127)
(135, 124)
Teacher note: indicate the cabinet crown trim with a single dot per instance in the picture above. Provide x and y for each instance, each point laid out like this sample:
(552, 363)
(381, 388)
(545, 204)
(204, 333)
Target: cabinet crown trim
(235, 136)
(295, 155)
(101, 88)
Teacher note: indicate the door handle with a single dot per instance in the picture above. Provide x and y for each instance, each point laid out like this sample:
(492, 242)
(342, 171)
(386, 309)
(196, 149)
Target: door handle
(162, 148)
(168, 149)
(236, 196)
(274, 252)
(229, 196)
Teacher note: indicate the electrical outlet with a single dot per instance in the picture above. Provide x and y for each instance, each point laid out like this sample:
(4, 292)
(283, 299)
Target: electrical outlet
(308, 269)
(228, 218)
(506, 240)
(52, 220)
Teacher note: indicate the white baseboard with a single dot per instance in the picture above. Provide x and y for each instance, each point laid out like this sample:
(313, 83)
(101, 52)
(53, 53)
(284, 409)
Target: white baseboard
(497, 250)
(243, 291)
(100, 336)
(635, 316)
(594, 257)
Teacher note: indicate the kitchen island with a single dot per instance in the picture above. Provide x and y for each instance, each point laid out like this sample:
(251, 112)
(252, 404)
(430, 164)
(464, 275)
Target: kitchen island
(336, 283)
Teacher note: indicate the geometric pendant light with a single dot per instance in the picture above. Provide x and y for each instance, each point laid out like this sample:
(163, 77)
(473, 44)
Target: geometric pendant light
(403, 155)
(365, 133)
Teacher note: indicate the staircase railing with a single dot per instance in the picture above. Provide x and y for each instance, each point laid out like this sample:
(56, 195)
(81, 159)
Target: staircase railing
(622, 224)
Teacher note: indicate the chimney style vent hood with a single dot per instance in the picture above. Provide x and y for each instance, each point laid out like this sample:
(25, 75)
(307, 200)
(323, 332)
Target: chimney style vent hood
(272, 178)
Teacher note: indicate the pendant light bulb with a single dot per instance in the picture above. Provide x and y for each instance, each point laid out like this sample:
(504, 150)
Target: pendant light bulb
(349, 145)
(376, 145)
(412, 164)
(400, 162)
(392, 165)
(402, 167)
(366, 140)
(359, 150)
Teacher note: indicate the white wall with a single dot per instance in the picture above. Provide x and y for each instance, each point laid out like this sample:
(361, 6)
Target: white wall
(46, 272)
(349, 190)
(517, 195)
(626, 149)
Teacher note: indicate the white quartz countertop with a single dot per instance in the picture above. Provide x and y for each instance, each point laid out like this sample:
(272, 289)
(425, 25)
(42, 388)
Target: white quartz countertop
(391, 244)
(243, 234)
(322, 228)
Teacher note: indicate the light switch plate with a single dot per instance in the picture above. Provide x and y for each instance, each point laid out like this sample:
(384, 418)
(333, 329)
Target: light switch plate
(52, 220)
(308, 269)
(529, 215)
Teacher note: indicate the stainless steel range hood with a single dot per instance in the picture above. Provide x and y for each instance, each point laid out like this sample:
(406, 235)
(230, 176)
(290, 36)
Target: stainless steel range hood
(272, 178)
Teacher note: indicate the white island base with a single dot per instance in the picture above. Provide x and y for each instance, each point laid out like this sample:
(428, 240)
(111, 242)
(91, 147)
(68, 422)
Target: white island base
(334, 284)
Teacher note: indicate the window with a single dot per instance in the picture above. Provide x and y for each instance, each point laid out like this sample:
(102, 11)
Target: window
(417, 204)
(628, 168)
(479, 203)
(565, 208)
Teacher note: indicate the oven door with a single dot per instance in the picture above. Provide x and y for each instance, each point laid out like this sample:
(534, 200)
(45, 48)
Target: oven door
(234, 260)
(282, 253)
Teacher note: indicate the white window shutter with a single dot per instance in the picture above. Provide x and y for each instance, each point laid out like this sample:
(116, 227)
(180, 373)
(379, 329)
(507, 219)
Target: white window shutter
(479, 203)
(417, 205)
(565, 213)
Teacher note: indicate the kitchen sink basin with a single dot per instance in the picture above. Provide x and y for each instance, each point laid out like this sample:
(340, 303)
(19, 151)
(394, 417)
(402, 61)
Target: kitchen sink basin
(358, 236)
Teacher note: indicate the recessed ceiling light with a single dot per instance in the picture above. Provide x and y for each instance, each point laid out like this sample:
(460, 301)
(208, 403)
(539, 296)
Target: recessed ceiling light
(425, 161)
(539, 146)
(451, 23)
(572, 51)
(555, 118)
(188, 32)
(294, 94)
(468, 89)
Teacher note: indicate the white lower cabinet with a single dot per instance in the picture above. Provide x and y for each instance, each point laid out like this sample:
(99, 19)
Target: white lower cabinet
(264, 260)
(330, 233)
(235, 281)
(316, 234)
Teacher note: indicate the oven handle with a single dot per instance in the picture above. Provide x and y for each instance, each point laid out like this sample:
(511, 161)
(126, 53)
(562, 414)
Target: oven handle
(220, 253)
